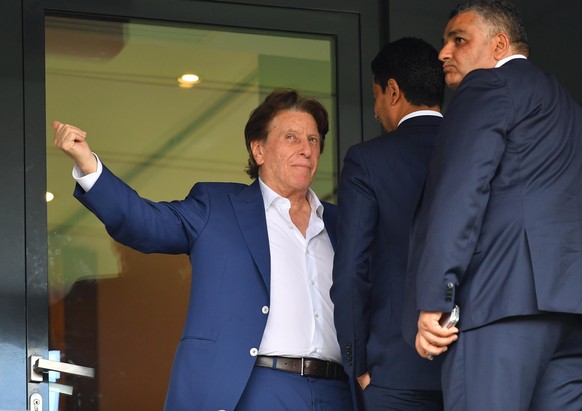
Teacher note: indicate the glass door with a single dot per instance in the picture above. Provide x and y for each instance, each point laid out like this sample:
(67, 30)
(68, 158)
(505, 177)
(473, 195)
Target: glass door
(164, 106)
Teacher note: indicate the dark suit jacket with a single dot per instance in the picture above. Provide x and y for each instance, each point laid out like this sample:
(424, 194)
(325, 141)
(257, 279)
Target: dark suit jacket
(380, 186)
(222, 227)
(500, 230)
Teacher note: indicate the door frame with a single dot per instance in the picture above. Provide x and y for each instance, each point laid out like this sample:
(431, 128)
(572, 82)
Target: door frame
(23, 213)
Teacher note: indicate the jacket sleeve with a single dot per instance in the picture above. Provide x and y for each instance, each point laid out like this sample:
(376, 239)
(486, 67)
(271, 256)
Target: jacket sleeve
(351, 293)
(147, 226)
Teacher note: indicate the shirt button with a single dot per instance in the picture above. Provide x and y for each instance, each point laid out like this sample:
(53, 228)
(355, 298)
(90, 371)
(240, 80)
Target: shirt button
(254, 352)
(265, 309)
(316, 315)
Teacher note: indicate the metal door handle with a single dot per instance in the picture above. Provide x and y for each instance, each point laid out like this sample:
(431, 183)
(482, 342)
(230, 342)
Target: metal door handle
(38, 366)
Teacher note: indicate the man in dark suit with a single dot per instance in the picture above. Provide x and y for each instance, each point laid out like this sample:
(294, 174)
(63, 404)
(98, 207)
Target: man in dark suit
(380, 186)
(500, 229)
(259, 332)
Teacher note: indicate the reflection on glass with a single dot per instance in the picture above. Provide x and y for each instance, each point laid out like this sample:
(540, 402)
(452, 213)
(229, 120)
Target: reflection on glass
(112, 308)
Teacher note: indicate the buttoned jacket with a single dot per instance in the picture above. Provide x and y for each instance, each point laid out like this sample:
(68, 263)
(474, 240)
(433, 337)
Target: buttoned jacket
(500, 228)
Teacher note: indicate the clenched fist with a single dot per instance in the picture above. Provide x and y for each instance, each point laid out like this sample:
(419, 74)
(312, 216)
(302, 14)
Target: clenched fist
(72, 141)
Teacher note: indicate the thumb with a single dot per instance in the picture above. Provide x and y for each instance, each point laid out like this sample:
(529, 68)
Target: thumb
(56, 124)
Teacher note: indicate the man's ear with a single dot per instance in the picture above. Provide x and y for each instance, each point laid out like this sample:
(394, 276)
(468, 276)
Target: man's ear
(393, 93)
(502, 46)
(257, 151)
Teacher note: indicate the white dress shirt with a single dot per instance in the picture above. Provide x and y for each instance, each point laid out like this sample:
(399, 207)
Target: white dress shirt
(87, 181)
(300, 322)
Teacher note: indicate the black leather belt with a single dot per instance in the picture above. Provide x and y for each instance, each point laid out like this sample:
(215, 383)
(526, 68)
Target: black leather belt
(310, 367)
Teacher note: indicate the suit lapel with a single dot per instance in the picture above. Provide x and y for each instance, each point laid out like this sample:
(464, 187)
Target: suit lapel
(250, 212)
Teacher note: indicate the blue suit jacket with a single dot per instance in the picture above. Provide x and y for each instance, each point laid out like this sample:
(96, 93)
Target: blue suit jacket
(222, 227)
(380, 186)
(500, 230)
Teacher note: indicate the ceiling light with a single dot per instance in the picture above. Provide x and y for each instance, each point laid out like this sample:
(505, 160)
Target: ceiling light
(188, 80)
(49, 196)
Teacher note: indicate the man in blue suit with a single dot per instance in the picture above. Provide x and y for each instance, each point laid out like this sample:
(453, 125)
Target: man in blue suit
(259, 332)
(500, 229)
(379, 189)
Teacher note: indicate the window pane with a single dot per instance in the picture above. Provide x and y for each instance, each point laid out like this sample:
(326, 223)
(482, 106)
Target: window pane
(112, 308)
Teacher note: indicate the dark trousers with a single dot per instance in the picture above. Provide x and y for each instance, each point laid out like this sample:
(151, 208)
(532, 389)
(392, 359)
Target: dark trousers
(388, 399)
(527, 363)
(274, 390)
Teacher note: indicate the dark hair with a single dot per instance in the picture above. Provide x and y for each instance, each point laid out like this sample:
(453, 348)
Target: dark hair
(415, 66)
(501, 16)
(259, 123)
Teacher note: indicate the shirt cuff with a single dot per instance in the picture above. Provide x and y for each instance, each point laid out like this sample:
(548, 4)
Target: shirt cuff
(88, 181)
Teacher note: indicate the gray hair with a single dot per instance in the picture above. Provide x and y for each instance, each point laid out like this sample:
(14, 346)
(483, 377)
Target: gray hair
(500, 16)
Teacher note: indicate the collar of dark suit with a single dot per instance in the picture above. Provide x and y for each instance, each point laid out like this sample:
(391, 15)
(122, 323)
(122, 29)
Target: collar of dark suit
(421, 120)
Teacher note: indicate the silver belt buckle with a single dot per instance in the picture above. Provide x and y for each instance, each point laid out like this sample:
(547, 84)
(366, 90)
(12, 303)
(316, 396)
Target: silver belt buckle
(302, 364)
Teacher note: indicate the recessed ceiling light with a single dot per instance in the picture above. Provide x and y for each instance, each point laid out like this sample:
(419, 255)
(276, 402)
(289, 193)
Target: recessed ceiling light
(188, 80)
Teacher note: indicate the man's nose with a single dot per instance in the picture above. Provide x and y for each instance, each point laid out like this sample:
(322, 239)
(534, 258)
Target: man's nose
(445, 53)
(306, 147)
